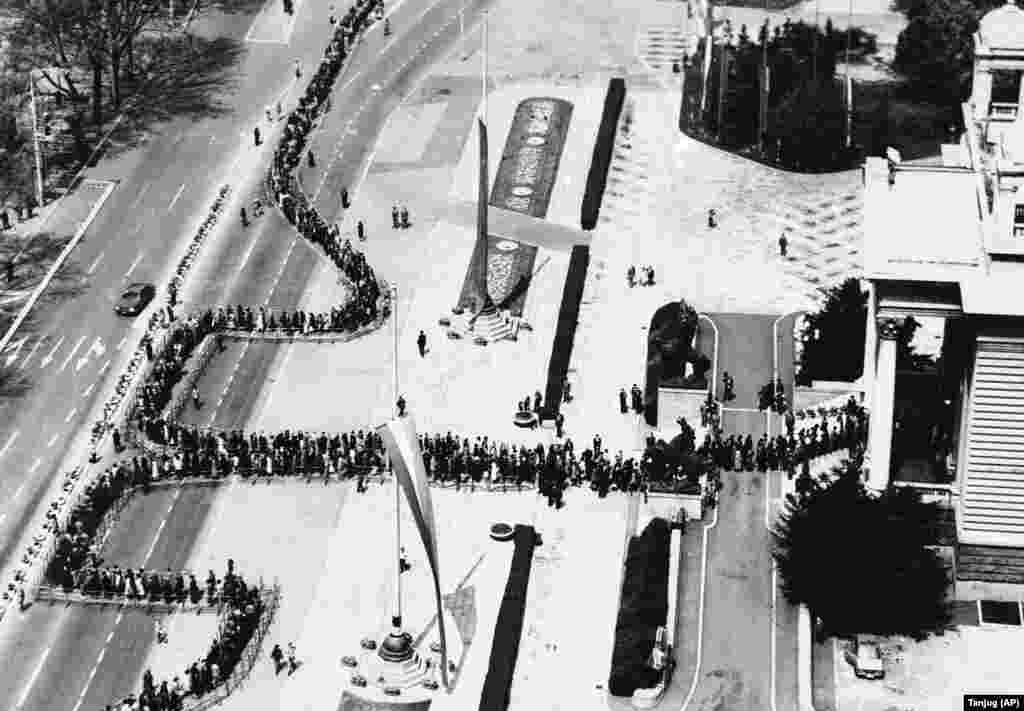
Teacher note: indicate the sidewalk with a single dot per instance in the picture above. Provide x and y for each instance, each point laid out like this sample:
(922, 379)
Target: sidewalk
(35, 244)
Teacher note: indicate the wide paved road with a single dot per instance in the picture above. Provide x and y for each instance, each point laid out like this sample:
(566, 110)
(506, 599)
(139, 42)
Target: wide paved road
(70, 657)
(264, 264)
(741, 648)
(164, 187)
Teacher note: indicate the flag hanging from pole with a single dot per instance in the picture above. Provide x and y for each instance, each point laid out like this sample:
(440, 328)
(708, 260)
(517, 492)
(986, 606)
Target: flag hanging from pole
(403, 448)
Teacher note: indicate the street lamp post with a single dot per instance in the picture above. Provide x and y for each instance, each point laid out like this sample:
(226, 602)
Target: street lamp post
(35, 140)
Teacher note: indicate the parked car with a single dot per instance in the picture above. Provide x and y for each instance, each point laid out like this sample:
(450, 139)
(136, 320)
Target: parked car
(866, 660)
(134, 299)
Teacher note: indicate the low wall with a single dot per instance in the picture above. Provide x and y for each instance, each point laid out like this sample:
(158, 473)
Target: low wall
(674, 403)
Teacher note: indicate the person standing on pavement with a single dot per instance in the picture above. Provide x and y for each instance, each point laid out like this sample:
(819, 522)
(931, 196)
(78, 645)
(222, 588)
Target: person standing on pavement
(256, 135)
(559, 425)
(783, 245)
(311, 158)
(394, 217)
(298, 68)
(245, 218)
(623, 406)
(361, 231)
(195, 397)
(421, 343)
(344, 198)
(401, 405)
(405, 217)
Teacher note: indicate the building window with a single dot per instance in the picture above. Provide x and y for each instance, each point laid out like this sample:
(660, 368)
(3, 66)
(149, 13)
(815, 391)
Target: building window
(1005, 94)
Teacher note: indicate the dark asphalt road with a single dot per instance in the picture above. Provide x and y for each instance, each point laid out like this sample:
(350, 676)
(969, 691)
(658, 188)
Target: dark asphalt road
(156, 531)
(62, 667)
(164, 186)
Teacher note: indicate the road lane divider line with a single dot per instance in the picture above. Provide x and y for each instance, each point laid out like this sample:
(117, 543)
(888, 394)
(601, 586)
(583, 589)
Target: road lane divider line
(103, 368)
(231, 379)
(88, 390)
(48, 358)
(142, 193)
(176, 196)
(134, 264)
(17, 492)
(160, 530)
(74, 411)
(10, 441)
(32, 352)
(71, 354)
(95, 263)
(121, 343)
(53, 440)
(35, 465)
(32, 679)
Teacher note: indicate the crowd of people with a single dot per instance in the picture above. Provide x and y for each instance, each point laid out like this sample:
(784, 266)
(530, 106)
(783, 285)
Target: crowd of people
(847, 430)
(240, 621)
(285, 188)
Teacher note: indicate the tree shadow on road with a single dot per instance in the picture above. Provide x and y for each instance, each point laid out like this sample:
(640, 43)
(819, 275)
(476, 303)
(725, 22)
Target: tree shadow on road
(182, 76)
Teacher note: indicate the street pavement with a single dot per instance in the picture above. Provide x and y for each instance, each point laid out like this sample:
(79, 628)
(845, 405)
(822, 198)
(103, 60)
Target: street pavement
(164, 190)
(70, 657)
(273, 268)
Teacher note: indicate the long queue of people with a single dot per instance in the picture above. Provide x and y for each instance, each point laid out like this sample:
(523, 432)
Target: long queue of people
(240, 622)
(796, 449)
(284, 187)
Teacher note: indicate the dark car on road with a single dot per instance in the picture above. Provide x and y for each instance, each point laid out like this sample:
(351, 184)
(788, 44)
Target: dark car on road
(134, 299)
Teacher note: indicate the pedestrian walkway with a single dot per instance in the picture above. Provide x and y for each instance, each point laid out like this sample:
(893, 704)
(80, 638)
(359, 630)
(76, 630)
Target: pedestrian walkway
(36, 243)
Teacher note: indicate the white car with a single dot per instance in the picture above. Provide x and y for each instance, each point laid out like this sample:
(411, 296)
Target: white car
(866, 660)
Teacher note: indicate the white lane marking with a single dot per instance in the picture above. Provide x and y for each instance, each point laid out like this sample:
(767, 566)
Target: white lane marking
(95, 263)
(74, 411)
(53, 440)
(176, 196)
(156, 538)
(134, 264)
(88, 390)
(103, 368)
(97, 348)
(35, 465)
(3, 517)
(15, 349)
(32, 680)
(120, 344)
(71, 354)
(142, 193)
(48, 358)
(33, 351)
(17, 492)
(10, 441)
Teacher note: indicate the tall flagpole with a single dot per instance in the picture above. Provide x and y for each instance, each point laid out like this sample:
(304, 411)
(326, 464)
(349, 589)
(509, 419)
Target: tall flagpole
(396, 618)
(483, 74)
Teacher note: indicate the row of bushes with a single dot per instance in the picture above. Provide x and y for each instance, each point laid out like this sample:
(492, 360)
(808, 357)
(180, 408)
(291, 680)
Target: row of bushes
(643, 608)
(565, 333)
(597, 177)
(509, 626)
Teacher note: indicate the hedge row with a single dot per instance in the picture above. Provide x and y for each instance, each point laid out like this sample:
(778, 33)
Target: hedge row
(601, 161)
(565, 333)
(509, 627)
(643, 608)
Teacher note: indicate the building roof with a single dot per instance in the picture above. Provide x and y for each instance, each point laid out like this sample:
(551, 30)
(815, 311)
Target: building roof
(923, 227)
(992, 293)
(1003, 27)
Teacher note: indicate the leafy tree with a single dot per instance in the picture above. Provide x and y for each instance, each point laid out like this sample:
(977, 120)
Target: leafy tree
(834, 340)
(809, 126)
(834, 348)
(935, 51)
(861, 563)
